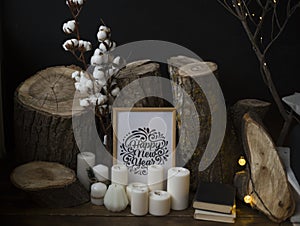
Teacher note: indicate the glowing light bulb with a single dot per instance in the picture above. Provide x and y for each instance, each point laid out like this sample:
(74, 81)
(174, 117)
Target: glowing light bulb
(239, 4)
(248, 199)
(253, 14)
(260, 18)
(242, 161)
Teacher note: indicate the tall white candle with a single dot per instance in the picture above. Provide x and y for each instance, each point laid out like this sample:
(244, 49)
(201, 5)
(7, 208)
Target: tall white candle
(133, 186)
(119, 174)
(159, 203)
(101, 172)
(139, 201)
(178, 186)
(98, 191)
(85, 160)
(155, 177)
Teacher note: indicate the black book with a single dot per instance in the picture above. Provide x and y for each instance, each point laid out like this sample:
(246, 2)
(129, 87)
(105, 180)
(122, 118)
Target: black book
(215, 197)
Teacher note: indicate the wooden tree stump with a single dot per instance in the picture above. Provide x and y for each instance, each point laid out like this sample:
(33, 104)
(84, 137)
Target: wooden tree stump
(183, 70)
(137, 70)
(259, 107)
(50, 184)
(265, 178)
(43, 117)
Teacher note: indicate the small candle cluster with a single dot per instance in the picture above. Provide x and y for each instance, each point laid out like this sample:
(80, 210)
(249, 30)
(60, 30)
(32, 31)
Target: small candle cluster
(142, 198)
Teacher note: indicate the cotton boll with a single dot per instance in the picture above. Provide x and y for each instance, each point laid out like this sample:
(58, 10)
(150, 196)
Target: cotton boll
(98, 74)
(70, 44)
(103, 47)
(111, 71)
(84, 102)
(69, 27)
(115, 91)
(93, 99)
(89, 84)
(87, 46)
(75, 74)
(77, 85)
(113, 46)
(102, 35)
(101, 99)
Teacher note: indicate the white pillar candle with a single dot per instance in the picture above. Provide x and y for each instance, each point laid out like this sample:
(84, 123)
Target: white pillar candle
(85, 160)
(139, 201)
(98, 191)
(132, 186)
(119, 174)
(101, 172)
(159, 203)
(178, 186)
(155, 177)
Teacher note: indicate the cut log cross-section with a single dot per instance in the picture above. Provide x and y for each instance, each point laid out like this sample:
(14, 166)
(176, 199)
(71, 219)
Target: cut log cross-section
(43, 117)
(50, 184)
(266, 181)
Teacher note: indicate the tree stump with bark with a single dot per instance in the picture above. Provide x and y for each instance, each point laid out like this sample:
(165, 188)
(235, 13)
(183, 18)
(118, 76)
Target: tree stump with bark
(43, 117)
(188, 94)
(133, 73)
(265, 177)
(50, 184)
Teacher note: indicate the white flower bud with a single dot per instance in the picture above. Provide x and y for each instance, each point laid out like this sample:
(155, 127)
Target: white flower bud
(84, 102)
(115, 91)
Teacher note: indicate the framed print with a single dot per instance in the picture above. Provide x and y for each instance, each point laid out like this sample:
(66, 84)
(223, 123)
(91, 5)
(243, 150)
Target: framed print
(143, 137)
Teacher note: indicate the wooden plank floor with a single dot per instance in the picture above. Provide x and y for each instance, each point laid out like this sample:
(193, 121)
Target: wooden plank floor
(17, 209)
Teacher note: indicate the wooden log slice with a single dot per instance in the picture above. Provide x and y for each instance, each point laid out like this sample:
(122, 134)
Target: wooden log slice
(43, 117)
(268, 184)
(50, 184)
(134, 71)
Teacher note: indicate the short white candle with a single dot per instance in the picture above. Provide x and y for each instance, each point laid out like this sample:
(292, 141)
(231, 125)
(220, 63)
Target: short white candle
(101, 172)
(159, 203)
(139, 201)
(178, 186)
(132, 186)
(98, 191)
(119, 174)
(155, 177)
(85, 160)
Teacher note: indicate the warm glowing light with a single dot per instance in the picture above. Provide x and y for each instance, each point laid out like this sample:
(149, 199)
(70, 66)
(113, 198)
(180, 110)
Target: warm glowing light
(248, 199)
(253, 14)
(274, 1)
(260, 18)
(242, 161)
(239, 4)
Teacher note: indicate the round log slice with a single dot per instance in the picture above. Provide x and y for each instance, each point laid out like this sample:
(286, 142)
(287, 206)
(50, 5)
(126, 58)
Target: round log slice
(43, 117)
(50, 184)
(267, 184)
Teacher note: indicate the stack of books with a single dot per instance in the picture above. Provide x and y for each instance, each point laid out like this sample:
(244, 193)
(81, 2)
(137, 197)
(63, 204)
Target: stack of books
(215, 202)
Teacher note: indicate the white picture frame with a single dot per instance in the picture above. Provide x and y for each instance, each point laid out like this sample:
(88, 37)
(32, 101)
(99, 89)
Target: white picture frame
(143, 137)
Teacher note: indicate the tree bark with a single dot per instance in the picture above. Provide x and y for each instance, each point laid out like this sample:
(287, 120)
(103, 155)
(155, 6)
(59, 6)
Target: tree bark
(180, 69)
(43, 117)
(50, 184)
(132, 73)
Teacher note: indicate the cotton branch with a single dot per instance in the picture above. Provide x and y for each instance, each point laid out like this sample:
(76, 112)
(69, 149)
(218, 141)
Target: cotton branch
(254, 25)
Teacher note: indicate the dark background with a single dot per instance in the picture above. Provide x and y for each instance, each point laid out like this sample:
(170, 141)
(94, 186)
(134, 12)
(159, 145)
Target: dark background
(32, 38)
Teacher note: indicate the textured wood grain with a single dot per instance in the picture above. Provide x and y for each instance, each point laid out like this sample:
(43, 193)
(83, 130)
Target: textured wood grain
(135, 71)
(43, 117)
(49, 184)
(268, 184)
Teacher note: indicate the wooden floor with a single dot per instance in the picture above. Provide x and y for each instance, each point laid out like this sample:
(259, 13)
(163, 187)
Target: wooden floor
(17, 209)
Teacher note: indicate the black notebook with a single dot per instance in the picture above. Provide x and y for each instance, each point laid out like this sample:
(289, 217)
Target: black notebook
(215, 197)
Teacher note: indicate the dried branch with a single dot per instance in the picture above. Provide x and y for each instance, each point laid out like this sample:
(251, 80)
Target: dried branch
(240, 9)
